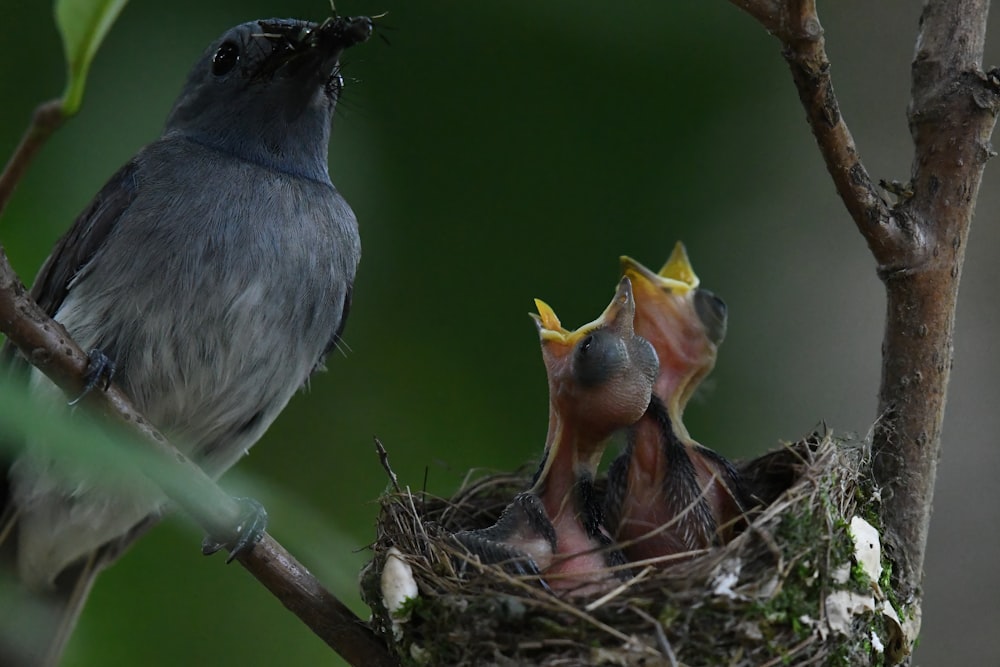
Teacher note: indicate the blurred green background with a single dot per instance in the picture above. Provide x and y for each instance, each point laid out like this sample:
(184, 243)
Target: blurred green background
(499, 151)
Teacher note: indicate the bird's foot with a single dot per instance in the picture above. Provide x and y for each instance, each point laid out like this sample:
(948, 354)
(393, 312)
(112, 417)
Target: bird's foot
(100, 371)
(249, 531)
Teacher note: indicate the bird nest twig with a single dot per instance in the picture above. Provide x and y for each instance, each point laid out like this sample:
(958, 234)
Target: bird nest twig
(789, 590)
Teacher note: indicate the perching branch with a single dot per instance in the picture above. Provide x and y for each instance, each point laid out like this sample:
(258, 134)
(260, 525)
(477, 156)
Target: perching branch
(918, 243)
(48, 346)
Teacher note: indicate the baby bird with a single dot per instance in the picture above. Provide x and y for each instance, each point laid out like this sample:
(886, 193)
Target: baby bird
(666, 493)
(600, 381)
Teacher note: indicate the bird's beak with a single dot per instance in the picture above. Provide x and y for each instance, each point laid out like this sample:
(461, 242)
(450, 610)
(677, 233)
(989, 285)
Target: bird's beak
(683, 322)
(678, 267)
(315, 49)
(676, 276)
(618, 317)
(336, 34)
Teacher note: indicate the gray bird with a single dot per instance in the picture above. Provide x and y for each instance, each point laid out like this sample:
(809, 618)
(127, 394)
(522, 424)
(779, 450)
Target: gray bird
(213, 272)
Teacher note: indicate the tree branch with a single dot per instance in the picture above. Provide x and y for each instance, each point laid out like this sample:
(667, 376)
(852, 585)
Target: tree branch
(797, 25)
(952, 115)
(48, 117)
(918, 244)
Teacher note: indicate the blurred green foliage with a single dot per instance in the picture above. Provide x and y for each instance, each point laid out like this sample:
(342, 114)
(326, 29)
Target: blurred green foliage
(493, 152)
(83, 25)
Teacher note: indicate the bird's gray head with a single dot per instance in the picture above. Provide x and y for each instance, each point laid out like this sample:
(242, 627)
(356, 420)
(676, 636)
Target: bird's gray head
(265, 91)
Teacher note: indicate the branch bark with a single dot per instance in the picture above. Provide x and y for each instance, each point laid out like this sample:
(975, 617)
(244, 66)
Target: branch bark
(952, 115)
(918, 243)
(47, 119)
(48, 346)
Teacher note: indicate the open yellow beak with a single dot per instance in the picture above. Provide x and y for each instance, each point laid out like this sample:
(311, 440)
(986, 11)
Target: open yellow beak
(677, 275)
(618, 316)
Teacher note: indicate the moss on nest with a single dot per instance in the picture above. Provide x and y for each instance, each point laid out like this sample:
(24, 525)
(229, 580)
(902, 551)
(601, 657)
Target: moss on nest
(763, 599)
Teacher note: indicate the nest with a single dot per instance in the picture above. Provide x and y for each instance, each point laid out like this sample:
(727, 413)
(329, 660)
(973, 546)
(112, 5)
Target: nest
(763, 599)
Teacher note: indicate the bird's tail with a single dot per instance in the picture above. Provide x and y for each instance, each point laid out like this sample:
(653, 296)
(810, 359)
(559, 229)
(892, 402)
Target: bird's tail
(35, 626)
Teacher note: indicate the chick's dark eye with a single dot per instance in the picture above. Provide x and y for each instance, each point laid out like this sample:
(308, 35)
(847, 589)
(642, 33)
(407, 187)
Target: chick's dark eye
(598, 357)
(712, 312)
(225, 59)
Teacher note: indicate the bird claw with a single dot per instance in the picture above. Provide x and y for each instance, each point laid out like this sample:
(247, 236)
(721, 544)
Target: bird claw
(250, 530)
(99, 367)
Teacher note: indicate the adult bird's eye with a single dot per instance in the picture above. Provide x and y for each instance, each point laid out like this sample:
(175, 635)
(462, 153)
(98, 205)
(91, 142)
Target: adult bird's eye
(225, 59)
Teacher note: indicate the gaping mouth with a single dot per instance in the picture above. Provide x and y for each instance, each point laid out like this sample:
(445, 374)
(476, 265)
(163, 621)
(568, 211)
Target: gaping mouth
(618, 315)
(676, 276)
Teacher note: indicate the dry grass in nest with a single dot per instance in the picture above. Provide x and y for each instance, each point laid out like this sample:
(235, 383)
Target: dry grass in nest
(760, 600)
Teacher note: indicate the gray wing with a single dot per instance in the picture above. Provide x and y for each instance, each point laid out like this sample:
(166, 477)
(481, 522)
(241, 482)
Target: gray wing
(730, 475)
(524, 514)
(83, 239)
(71, 253)
(79, 245)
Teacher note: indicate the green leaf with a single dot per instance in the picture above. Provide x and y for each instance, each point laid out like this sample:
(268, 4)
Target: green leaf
(83, 25)
(70, 436)
(77, 445)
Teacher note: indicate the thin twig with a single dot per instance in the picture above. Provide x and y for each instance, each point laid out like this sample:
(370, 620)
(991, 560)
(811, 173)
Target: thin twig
(784, 658)
(383, 457)
(46, 120)
(661, 636)
(549, 599)
(618, 590)
(797, 25)
(302, 594)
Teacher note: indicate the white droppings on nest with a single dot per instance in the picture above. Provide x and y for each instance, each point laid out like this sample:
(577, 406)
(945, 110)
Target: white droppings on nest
(398, 587)
(725, 577)
(751, 631)
(867, 548)
(841, 607)
(420, 655)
